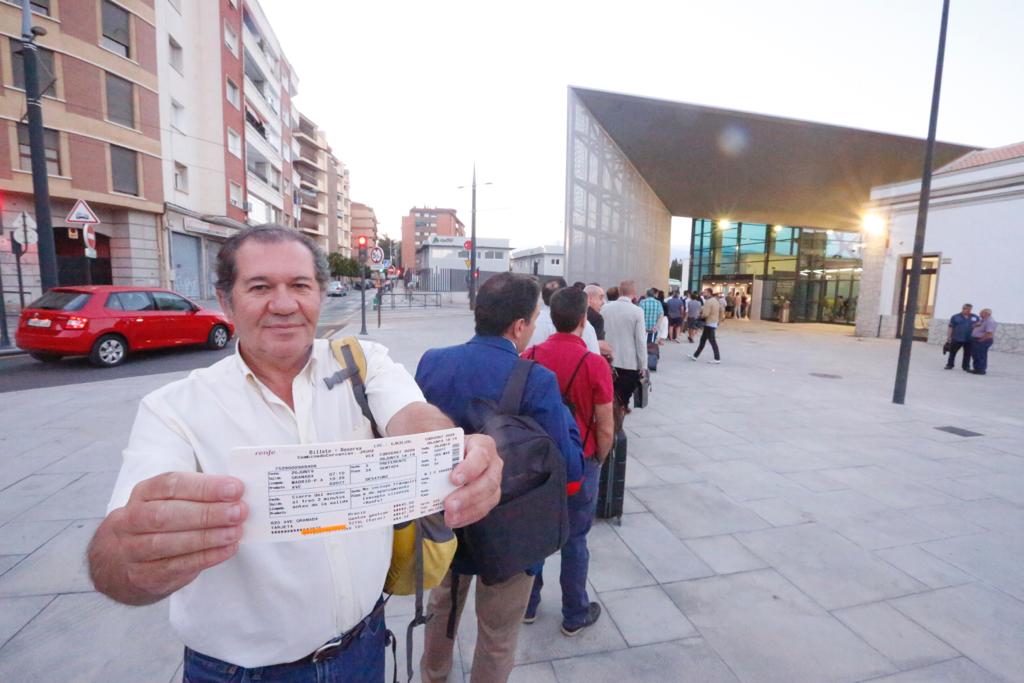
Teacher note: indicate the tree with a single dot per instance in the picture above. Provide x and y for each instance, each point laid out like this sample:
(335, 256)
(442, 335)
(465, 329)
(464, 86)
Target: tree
(392, 249)
(675, 271)
(341, 266)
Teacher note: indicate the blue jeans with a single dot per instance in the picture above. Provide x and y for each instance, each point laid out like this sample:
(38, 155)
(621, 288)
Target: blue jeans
(361, 662)
(575, 555)
(979, 354)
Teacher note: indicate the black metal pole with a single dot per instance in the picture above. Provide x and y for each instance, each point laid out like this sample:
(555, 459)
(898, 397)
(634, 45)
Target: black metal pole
(5, 339)
(899, 393)
(472, 251)
(18, 250)
(40, 181)
(362, 291)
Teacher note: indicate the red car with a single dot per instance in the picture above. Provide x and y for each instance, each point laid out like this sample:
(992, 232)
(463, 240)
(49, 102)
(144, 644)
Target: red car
(105, 322)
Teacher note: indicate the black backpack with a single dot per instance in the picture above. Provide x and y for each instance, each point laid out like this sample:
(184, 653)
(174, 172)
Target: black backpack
(531, 521)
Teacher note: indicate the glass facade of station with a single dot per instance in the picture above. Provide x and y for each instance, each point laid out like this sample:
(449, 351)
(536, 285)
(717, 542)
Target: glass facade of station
(808, 274)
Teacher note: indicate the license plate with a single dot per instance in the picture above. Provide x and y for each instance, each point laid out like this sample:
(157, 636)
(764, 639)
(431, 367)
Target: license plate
(38, 322)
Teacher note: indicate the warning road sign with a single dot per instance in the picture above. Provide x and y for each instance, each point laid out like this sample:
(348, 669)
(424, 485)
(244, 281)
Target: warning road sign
(81, 212)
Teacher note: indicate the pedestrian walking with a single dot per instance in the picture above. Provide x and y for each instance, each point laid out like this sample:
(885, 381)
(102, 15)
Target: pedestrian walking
(958, 336)
(711, 314)
(693, 320)
(730, 303)
(454, 379)
(304, 610)
(585, 382)
(625, 330)
(982, 337)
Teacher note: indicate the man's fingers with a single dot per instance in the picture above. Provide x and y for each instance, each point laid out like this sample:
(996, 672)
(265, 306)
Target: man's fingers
(204, 488)
(479, 451)
(182, 515)
(166, 576)
(162, 546)
(474, 500)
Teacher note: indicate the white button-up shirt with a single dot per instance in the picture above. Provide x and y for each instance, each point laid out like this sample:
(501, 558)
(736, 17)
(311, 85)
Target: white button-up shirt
(546, 327)
(271, 603)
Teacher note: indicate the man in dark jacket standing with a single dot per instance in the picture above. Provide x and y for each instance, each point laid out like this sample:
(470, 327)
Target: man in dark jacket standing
(451, 378)
(959, 337)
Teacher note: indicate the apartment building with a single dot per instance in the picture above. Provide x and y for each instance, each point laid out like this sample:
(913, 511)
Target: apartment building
(311, 158)
(364, 223)
(339, 208)
(421, 224)
(98, 65)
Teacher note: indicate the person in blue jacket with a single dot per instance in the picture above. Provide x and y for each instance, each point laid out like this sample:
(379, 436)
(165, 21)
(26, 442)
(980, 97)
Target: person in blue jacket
(506, 311)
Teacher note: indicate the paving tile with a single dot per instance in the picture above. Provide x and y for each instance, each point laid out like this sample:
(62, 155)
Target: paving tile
(631, 504)
(959, 489)
(887, 487)
(541, 672)
(639, 475)
(979, 621)
(695, 510)
(994, 558)
(612, 564)
(662, 554)
(41, 484)
(959, 670)
(886, 529)
(13, 504)
(924, 566)
(100, 456)
(826, 566)
(8, 561)
(57, 567)
(815, 482)
(86, 498)
(903, 642)
(21, 538)
(1006, 486)
(664, 450)
(743, 481)
(123, 643)
(16, 612)
(946, 519)
(768, 631)
(685, 661)
(646, 615)
(724, 554)
(676, 474)
(992, 514)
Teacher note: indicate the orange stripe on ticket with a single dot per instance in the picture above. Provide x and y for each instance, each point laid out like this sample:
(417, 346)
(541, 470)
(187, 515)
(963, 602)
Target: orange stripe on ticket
(323, 529)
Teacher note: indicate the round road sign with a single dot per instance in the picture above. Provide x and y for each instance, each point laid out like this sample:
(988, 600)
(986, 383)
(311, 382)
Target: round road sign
(89, 236)
(376, 255)
(467, 245)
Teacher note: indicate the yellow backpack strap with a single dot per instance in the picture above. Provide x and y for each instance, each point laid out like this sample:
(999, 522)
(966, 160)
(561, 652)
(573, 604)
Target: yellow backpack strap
(349, 354)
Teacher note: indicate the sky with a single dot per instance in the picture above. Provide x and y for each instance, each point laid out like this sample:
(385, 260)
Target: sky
(412, 94)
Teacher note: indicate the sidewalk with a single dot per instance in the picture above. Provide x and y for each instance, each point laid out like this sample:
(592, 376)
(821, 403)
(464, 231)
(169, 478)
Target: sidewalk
(785, 522)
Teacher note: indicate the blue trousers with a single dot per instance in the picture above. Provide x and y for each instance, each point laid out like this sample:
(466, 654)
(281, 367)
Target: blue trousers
(575, 555)
(361, 662)
(979, 354)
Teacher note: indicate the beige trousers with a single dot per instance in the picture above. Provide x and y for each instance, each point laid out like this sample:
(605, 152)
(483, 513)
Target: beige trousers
(499, 612)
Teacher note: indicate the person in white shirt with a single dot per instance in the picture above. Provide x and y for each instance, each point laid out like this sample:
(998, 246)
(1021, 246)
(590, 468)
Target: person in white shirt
(174, 518)
(626, 331)
(545, 328)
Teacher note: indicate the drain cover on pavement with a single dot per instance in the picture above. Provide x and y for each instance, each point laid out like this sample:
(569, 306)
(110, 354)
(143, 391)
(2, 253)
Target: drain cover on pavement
(825, 375)
(959, 432)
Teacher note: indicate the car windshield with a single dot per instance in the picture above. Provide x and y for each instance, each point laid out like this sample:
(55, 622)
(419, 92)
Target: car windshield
(61, 301)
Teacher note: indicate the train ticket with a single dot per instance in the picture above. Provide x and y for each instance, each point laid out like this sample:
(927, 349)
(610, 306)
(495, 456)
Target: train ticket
(314, 490)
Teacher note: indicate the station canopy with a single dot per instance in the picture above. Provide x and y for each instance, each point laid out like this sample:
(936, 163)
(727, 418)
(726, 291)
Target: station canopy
(705, 162)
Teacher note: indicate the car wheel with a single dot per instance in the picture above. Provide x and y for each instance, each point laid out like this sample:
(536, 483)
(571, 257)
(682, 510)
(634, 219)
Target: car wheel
(218, 338)
(45, 357)
(108, 351)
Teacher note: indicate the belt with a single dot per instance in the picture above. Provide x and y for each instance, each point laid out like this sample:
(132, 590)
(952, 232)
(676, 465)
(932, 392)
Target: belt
(336, 646)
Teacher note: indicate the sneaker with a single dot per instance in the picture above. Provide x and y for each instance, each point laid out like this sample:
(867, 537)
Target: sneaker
(531, 614)
(948, 367)
(715, 362)
(593, 614)
(692, 357)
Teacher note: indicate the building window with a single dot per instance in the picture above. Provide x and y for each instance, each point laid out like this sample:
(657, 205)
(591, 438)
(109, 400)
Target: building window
(177, 55)
(178, 115)
(38, 6)
(231, 38)
(116, 29)
(555, 261)
(124, 172)
(120, 101)
(235, 194)
(234, 95)
(51, 141)
(180, 177)
(47, 76)
(235, 143)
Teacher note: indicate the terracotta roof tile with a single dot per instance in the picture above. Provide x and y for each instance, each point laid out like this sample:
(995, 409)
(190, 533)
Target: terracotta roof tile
(982, 157)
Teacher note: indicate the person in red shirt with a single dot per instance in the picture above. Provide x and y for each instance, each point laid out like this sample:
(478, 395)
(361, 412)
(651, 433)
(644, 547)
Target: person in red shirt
(585, 380)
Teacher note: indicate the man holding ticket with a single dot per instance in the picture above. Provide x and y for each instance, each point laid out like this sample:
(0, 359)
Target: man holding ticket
(294, 610)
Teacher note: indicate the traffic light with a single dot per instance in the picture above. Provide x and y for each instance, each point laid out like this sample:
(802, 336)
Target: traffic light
(361, 243)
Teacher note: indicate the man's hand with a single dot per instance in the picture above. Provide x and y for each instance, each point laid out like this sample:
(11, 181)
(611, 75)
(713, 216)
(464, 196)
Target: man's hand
(606, 349)
(174, 526)
(478, 477)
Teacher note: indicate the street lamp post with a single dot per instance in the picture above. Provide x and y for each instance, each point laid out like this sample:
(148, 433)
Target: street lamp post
(472, 239)
(899, 393)
(362, 280)
(37, 146)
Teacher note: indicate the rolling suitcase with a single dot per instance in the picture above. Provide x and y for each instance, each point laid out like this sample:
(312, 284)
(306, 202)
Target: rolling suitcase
(612, 486)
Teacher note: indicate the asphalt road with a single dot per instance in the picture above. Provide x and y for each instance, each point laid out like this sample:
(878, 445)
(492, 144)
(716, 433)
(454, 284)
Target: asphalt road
(22, 372)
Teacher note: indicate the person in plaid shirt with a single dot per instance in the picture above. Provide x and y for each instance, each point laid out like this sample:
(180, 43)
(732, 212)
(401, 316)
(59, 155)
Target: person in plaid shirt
(653, 311)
